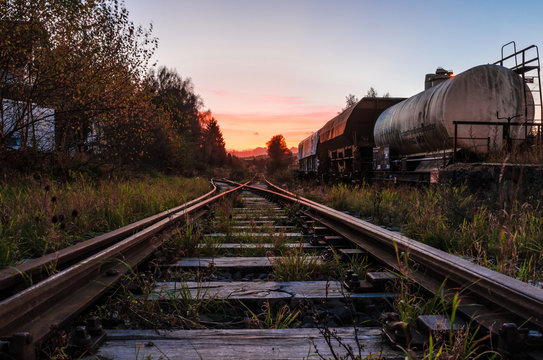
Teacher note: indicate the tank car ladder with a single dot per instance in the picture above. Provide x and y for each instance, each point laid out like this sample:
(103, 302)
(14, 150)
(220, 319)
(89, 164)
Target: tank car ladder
(525, 62)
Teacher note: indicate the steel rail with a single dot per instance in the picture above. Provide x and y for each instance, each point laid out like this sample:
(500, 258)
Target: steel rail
(515, 296)
(28, 271)
(50, 303)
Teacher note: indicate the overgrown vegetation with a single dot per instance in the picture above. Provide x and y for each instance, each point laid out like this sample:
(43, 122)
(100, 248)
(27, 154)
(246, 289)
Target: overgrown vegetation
(282, 318)
(296, 265)
(78, 90)
(38, 215)
(459, 341)
(498, 233)
(133, 305)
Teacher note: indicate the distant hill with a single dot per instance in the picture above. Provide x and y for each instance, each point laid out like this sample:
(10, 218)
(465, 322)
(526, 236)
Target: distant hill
(256, 152)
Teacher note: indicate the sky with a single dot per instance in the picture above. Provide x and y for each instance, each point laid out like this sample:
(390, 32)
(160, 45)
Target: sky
(285, 66)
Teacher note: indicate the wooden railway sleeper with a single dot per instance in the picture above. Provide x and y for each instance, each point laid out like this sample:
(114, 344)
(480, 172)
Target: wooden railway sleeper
(37, 307)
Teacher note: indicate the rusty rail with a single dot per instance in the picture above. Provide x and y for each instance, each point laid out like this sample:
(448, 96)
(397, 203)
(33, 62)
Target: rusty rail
(28, 271)
(433, 266)
(28, 317)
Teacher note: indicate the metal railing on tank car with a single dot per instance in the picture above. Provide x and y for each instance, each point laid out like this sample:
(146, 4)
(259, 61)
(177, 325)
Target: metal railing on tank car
(505, 131)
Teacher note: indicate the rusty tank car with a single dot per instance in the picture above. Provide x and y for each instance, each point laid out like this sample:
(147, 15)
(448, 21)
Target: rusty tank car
(425, 123)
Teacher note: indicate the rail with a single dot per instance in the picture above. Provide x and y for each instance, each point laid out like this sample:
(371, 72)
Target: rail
(521, 299)
(30, 315)
(32, 270)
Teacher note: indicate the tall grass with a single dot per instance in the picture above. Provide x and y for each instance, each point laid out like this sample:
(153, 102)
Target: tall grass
(295, 265)
(506, 237)
(38, 216)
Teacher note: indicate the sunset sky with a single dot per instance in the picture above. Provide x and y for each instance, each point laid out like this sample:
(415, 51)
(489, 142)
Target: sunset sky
(285, 66)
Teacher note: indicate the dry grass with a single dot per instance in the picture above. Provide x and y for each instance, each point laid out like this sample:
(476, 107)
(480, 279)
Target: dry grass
(39, 216)
(506, 237)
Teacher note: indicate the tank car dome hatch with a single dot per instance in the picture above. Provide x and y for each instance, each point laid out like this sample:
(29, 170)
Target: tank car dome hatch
(425, 122)
(441, 75)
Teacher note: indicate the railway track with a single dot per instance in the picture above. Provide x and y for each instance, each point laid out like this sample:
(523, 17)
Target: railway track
(241, 281)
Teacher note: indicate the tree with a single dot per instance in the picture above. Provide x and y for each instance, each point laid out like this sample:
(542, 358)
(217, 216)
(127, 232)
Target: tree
(86, 60)
(350, 100)
(213, 142)
(176, 100)
(278, 152)
(371, 92)
(176, 96)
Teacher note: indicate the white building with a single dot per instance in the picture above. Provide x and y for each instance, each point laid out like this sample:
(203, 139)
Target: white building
(28, 125)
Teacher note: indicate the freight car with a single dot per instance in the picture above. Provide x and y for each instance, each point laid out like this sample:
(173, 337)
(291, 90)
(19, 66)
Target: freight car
(422, 132)
(343, 146)
(484, 109)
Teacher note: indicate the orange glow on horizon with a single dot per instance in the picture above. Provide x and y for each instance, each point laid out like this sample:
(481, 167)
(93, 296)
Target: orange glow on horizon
(249, 131)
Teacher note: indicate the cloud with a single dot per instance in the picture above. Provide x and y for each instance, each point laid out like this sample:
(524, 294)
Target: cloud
(255, 133)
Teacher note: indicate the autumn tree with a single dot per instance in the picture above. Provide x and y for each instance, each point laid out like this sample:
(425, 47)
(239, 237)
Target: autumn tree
(175, 99)
(279, 154)
(88, 65)
(213, 142)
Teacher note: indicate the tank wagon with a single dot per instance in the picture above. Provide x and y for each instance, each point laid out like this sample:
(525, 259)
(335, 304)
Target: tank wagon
(462, 112)
(484, 109)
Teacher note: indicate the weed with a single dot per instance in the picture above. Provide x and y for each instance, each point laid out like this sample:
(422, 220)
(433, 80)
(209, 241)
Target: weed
(184, 240)
(283, 318)
(295, 265)
(505, 236)
(136, 303)
(211, 246)
(357, 263)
